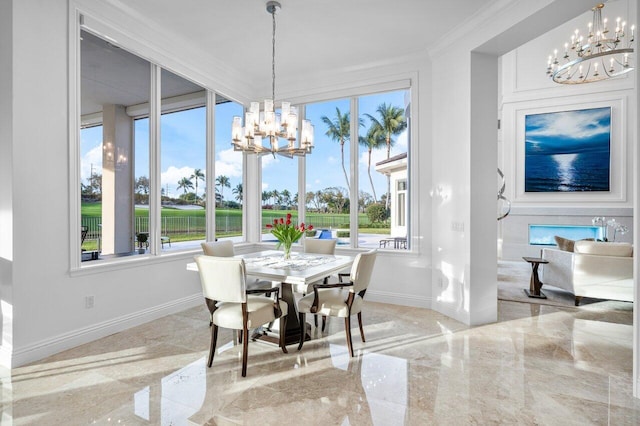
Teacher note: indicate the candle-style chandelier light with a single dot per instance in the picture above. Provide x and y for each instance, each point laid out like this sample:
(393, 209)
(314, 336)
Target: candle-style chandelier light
(263, 128)
(601, 54)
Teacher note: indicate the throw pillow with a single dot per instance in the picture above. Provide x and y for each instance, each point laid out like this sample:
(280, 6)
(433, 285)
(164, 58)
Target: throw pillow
(564, 244)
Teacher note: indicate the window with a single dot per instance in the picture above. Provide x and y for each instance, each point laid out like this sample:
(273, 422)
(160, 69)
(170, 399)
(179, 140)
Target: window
(383, 166)
(110, 143)
(183, 133)
(228, 181)
(129, 176)
(279, 190)
(328, 169)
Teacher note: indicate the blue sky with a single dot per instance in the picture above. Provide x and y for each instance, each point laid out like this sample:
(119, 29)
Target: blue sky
(183, 149)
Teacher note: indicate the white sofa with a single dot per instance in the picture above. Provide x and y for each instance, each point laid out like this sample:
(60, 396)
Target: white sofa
(594, 269)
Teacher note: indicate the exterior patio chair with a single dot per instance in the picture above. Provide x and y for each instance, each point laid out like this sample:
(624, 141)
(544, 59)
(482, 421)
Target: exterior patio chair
(233, 306)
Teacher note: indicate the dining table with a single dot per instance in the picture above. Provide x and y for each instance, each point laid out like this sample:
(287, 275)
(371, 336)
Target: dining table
(300, 270)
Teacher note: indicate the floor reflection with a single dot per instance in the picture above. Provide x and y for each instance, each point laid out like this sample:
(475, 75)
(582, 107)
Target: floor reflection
(538, 365)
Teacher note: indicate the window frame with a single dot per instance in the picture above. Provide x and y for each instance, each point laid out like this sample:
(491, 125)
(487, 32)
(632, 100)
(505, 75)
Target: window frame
(353, 94)
(85, 22)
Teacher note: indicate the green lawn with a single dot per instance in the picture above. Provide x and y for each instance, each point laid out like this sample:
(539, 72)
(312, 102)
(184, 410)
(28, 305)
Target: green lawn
(318, 220)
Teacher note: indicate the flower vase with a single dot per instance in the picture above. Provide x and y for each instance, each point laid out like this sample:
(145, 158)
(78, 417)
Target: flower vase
(287, 251)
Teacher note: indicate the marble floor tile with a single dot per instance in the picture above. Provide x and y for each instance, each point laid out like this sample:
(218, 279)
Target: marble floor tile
(538, 365)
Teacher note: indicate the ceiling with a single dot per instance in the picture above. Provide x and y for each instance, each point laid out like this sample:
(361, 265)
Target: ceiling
(311, 36)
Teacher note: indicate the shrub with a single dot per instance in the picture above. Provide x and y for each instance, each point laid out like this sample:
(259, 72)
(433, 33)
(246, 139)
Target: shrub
(311, 233)
(376, 212)
(342, 234)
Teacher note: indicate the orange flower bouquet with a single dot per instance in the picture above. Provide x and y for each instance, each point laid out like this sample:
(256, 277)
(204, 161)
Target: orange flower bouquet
(287, 233)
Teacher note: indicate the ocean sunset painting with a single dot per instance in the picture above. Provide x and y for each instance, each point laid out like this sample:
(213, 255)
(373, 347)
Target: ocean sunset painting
(568, 151)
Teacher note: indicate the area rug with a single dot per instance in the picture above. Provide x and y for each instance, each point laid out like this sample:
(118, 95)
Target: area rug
(513, 279)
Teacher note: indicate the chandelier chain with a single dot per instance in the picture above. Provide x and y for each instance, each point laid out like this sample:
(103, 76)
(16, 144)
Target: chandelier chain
(273, 55)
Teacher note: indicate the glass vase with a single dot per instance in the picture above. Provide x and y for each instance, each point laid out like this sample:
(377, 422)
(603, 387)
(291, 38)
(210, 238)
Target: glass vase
(286, 250)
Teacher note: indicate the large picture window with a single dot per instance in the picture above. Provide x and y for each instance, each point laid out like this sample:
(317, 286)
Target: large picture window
(132, 177)
(110, 144)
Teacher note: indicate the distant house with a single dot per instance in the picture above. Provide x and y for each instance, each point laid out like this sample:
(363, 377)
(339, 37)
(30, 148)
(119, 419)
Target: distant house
(396, 168)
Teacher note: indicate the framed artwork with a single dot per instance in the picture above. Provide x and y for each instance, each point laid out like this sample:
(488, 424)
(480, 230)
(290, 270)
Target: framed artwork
(568, 151)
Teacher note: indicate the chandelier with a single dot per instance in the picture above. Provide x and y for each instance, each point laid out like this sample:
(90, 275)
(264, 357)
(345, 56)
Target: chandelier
(263, 128)
(600, 54)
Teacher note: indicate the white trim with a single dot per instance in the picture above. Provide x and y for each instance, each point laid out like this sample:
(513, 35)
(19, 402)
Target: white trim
(354, 164)
(155, 160)
(75, 216)
(43, 348)
(210, 165)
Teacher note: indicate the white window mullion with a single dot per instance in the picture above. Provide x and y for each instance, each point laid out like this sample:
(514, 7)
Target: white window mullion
(302, 174)
(354, 191)
(210, 177)
(155, 199)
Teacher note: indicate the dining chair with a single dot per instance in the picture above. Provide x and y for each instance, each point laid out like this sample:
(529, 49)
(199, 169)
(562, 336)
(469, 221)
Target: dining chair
(318, 246)
(234, 306)
(340, 299)
(225, 249)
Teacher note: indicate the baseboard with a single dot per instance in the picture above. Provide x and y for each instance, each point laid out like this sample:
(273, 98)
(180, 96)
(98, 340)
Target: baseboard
(53, 345)
(398, 299)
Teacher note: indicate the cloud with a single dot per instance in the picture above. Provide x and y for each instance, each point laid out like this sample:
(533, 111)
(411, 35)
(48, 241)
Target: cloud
(173, 174)
(583, 124)
(92, 157)
(268, 161)
(229, 163)
(265, 186)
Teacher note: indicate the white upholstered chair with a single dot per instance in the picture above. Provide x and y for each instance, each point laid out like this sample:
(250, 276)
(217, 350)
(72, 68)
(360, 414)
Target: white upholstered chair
(225, 249)
(233, 306)
(318, 246)
(340, 299)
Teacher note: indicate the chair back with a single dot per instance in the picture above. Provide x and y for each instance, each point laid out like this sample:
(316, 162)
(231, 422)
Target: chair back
(218, 248)
(223, 279)
(325, 246)
(362, 269)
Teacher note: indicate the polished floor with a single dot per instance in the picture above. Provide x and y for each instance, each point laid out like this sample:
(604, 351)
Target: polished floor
(539, 365)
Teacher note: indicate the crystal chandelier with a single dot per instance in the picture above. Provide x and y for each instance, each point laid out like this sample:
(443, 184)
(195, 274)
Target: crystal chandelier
(601, 54)
(263, 128)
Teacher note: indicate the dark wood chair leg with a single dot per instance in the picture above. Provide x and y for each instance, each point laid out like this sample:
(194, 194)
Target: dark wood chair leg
(315, 320)
(303, 321)
(212, 347)
(324, 322)
(283, 333)
(578, 299)
(347, 329)
(360, 324)
(245, 350)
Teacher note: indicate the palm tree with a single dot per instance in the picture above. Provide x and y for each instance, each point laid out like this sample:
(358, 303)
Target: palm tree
(339, 130)
(185, 183)
(392, 122)
(223, 181)
(275, 195)
(238, 191)
(373, 140)
(197, 175)
(265, 196)
(286, 197)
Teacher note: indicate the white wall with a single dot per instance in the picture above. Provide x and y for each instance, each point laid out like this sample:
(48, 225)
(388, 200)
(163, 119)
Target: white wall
(526, 89)
(462, 253)
(6, 177)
